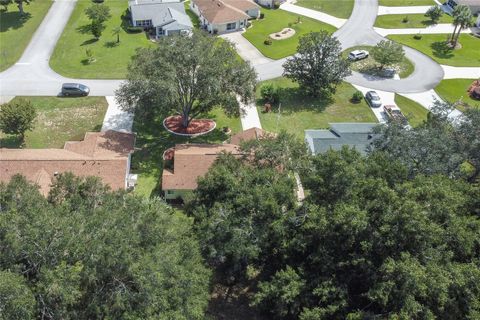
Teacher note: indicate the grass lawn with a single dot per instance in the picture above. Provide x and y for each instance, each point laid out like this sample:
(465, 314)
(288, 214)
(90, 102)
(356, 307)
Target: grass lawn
(16, 31)
(434, 46)
(395, 21)
(299, 112)
(338, 8)
(369, 66)
(193, 17)
(112, 59)
(275, 21)
(453, 90)
(153, 140)
(414, 112)
(397, 3)
(59, 120)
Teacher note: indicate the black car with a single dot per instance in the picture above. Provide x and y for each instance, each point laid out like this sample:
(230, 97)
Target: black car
(75, 89)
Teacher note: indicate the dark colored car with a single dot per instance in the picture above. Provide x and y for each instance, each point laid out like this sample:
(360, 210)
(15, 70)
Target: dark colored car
(75, 89)
(373, 99)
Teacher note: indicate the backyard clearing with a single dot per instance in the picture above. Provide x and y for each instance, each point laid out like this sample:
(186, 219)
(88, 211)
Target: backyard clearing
(59, 120)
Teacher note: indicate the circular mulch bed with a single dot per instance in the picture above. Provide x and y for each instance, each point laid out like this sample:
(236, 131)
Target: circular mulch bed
(197, 127)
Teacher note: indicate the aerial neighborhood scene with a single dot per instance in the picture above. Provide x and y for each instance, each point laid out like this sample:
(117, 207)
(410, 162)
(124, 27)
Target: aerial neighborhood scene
(240, 159)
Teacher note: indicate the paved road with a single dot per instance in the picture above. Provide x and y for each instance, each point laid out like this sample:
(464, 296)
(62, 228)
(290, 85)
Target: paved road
(33, 76)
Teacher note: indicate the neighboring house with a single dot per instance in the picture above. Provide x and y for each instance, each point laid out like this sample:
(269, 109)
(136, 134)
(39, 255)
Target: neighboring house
(478, 20)
(165, 17)
(474, 5)
(269, 3)
(102, 154)
(354, 135)
(185, 163)
(220, 16)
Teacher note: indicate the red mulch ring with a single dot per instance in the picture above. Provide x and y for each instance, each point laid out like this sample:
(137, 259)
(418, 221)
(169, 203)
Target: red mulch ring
(169, 154)
(195, 128)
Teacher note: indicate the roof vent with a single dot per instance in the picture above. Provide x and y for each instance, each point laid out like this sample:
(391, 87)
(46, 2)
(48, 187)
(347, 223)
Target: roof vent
(55, 173)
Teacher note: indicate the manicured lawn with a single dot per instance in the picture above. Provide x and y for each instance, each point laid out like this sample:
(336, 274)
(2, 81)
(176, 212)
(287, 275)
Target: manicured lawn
(153, 140)
(370, 66)
(453, 90)
(397, 3)
(16, 31)
(112, 59)
(415, 113)
(60, 120)
(275, 21)
(298, 112)
(434, 46)
(338, 8)
(395, 21)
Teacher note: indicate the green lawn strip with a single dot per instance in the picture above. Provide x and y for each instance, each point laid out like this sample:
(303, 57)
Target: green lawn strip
(193, 17)
(275, 21)
(415, 113)
(60, 120)
(298, 112)
(369, 66)
(401, 3)
(453, 90)
(395, 21)
(434, 45)
(17, 31)
(338, 8)
(153, 140)
(112, 59)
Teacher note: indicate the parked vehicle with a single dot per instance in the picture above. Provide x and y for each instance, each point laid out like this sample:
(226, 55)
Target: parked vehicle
(373, 99)
(356, 55)
(394, 114)
(75, 89)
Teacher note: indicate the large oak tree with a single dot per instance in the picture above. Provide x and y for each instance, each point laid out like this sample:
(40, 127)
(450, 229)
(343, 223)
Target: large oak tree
(187, 75)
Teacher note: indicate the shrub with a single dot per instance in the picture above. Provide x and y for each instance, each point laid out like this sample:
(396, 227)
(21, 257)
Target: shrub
(17, 116)
(357, 96)
(98, 1)
(132, 29)
(405, 19)
(262, 15)
(276, 4)
(267, 41)
(269, 93)
(418, 36)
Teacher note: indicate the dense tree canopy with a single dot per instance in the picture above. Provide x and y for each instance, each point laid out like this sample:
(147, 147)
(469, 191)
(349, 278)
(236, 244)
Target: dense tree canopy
(388, 52)
(184, 75)
(371, 240)
(318, 66)
(88, 253)
(17, 117)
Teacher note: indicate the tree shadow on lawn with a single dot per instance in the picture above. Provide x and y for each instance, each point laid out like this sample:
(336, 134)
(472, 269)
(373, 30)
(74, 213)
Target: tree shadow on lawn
(152, 140)
(294, 100)
(84, 29)
(442, 50)
(89, 41)
(111, 44)
(13, 20)
(10, 141)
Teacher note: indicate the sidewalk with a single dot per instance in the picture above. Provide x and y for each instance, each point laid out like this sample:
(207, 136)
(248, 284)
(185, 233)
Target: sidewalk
(115, 118)
(436, 29)
(317, 15)
(249, 115)
(402, 10)
(461, 72)
(427, 100)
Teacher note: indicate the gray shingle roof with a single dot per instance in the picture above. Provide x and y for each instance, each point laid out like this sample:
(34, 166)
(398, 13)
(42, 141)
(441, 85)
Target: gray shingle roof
(162, 13)
(354, 135)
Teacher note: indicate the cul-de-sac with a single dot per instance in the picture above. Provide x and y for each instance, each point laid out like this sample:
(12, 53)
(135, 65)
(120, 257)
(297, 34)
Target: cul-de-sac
(240, 159)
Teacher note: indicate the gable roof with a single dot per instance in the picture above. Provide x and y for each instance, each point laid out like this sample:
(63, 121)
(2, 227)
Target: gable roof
(354, 135)
(224, 11)
(162, 13)
(102, 154)
(192, 161)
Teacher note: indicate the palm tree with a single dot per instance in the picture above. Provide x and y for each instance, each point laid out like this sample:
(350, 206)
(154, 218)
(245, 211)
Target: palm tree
(116, 32)
(462, 19)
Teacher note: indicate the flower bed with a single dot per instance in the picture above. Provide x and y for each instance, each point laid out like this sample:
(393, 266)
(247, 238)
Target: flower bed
(197, 127)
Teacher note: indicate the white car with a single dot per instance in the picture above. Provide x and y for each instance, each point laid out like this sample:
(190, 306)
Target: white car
(356, 55)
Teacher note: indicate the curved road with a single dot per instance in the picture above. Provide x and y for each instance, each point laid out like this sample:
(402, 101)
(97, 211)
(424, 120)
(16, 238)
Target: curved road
(32, 75)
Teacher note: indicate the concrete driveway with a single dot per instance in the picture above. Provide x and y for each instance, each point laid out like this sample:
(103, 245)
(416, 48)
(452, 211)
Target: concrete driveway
(245, 49)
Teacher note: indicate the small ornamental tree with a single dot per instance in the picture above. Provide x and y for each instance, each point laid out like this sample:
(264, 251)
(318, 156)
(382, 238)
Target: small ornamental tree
(98, 12)
(318, 67)
(19, 4)
(116, 32)
(434, 13)
(16, 117)
(187, 75)
(387, 53)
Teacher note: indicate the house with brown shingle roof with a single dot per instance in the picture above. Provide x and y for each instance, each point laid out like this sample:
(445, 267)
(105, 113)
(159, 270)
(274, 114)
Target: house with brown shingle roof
(185, 163)
(102, 154)
(220, 16)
